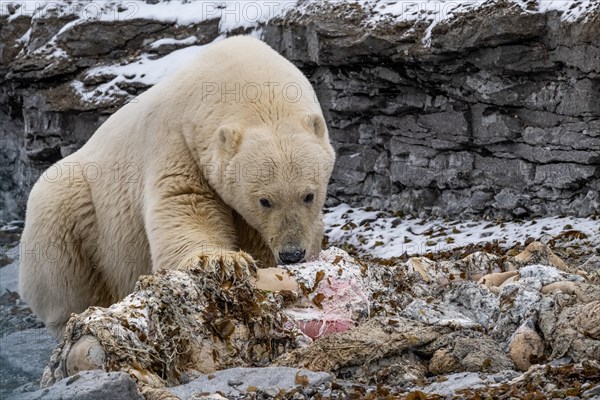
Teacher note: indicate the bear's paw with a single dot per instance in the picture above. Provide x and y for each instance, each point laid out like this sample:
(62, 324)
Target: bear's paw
(223, 265)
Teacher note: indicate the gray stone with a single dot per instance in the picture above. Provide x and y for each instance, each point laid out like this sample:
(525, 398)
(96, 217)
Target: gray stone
(389, 75)
(348, 168)
(517, 304)
(410, 175)
(452, 202)
(399, 148)
(490, 126)
(465, 380)
(515, 58)
(454, 382)
(378, 187)
(500, 28)
(564, 176)
(368, 158)
(27, 351)
(352, 104)
(592, 393)
(579, 97)
(480, 199)
(542, 119)
(499, 90)
(382, 163)
(452, 123)
(263, 379)
(535, 136)
(102, 38)
(344, 135)
(504, 172)
(585, 204)
(415, 201)
(9, 275)
(475, 302)
(546, 154)
(89, 385)
(405, 126)
(453, 169)
(509, 199)
(409, 98)
(570, 135)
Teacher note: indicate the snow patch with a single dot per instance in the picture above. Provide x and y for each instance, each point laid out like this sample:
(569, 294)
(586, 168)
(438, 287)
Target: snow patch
(145, 70)
(232, 14)
(383, 235)
(434, 12)
(177, 42)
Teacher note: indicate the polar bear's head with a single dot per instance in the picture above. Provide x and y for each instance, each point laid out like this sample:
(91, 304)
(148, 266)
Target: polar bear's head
(275, 176)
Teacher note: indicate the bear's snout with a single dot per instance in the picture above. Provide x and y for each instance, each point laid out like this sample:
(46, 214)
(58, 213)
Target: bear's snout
(292, 257)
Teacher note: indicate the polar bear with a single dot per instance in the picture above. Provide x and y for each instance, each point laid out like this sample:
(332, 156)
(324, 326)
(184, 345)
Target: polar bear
(224, 165)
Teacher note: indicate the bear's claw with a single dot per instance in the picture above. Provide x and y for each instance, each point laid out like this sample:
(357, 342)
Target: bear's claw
(223, 266)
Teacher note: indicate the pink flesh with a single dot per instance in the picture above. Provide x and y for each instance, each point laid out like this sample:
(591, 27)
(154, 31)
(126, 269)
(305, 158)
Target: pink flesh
(335, 315)
(316, 329)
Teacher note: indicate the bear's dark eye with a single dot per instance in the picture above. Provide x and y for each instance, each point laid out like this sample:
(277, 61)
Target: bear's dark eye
(309, 198)
(265, 203)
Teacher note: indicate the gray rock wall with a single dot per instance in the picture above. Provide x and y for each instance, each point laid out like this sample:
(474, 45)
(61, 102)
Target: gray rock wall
(499, 116)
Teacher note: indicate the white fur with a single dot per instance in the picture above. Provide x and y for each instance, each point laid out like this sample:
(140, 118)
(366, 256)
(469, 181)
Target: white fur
(153, 187)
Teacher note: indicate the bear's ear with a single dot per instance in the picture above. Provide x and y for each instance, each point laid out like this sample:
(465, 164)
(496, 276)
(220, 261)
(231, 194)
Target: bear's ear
(316, 123)
(229, 140)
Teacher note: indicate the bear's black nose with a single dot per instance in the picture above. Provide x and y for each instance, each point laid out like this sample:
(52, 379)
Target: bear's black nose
(291, 257)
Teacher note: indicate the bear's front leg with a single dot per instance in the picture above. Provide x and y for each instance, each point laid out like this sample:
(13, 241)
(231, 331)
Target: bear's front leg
(190, 228)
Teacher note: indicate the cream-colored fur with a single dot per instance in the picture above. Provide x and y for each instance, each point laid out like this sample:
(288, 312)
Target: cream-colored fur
(175, 179)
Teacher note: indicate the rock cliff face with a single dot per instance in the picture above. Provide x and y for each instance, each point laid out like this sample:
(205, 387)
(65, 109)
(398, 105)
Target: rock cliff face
(495, 111)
